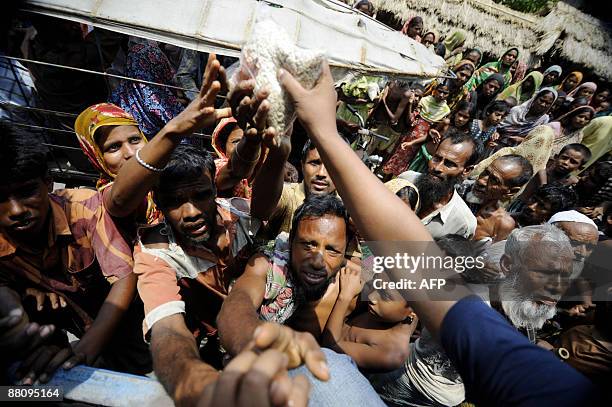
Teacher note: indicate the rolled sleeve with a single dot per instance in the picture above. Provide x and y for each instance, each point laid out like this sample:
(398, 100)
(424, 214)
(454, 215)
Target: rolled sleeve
(158, 288)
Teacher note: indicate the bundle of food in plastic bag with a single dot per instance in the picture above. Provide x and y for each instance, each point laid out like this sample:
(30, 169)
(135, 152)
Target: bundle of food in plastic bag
(268, 50)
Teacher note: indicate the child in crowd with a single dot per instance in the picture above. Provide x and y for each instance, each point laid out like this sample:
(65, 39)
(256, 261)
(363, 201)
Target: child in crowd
(394, 115)
(433, 110)
(379, 338)
(460, 119)
(559, 170)
(486, 129)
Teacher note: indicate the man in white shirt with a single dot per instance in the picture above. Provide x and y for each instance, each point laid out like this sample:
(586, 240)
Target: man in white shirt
(442, 209)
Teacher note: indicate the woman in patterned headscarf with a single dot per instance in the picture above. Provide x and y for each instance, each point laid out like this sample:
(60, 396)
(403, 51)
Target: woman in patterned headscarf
(529, 115)
(585, 90)
(109, 137)
(413, 28)
(569, 127)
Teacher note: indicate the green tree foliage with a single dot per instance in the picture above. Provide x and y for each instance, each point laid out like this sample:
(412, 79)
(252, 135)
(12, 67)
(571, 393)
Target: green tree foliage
(527, 6)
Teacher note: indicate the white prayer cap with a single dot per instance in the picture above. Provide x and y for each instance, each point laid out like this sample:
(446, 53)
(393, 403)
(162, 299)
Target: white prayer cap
(571, 216)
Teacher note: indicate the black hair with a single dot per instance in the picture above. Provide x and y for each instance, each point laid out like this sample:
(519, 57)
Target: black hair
(366, 2)
(309, 145)
(455, 245)
(469, 51)
(581, 148)
(526, 169)
(603, 169)
(443, 84)
(458, 137)
(186, 162)
(23, 156)
(410, 194)
(414, 20)
(497, 106)
(317, 206)
(464, 105)
(560, 197)
(224, 135)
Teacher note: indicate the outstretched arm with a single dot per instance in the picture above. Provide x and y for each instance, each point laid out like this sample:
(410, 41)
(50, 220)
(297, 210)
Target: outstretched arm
(177, 362)
(378, 213)
(134, 181)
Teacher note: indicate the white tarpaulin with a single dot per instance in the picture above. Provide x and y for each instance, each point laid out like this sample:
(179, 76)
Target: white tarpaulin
(351, 39)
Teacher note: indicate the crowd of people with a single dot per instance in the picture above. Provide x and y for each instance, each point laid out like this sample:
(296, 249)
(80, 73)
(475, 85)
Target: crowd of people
(238, 271)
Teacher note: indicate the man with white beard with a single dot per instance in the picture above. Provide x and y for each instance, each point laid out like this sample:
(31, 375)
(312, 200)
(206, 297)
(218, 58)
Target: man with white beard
(537, 263)
(583, 235)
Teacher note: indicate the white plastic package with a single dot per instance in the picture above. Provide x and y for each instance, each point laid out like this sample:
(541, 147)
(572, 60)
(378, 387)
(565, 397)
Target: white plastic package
(268, 50)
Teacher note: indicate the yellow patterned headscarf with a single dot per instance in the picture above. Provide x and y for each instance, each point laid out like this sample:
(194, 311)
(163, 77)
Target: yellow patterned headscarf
(85, 126)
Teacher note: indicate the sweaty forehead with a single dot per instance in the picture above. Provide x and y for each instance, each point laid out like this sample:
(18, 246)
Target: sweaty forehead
(505, 169)
(579, 232)
(203, 182)
(455, 152)
(328, 228)
(547, 256)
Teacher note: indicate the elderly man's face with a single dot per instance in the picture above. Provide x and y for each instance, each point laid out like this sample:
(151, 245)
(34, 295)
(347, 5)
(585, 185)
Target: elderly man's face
(492, 184)
(583, 237)
(543, 274)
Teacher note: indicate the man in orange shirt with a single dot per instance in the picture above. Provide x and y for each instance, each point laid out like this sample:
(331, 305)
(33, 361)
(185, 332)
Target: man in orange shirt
(64, 250)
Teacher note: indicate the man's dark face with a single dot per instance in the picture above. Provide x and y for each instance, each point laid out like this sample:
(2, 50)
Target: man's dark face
(317, 253)
(550, 77)
(536, 212)
(489, 88)
(24, 208)
(189, 207)
(492, 184)
(316, 179)
(450, 160)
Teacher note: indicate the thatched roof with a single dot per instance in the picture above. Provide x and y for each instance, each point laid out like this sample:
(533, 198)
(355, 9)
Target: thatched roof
(586, 39)
(495, 28)
(490, 26)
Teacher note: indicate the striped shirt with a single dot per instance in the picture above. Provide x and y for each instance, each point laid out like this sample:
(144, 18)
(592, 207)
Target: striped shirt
(84, 256)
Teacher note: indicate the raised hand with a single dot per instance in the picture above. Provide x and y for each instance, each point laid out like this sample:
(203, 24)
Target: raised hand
(316, 108)
(350, 283)
(201, 112)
